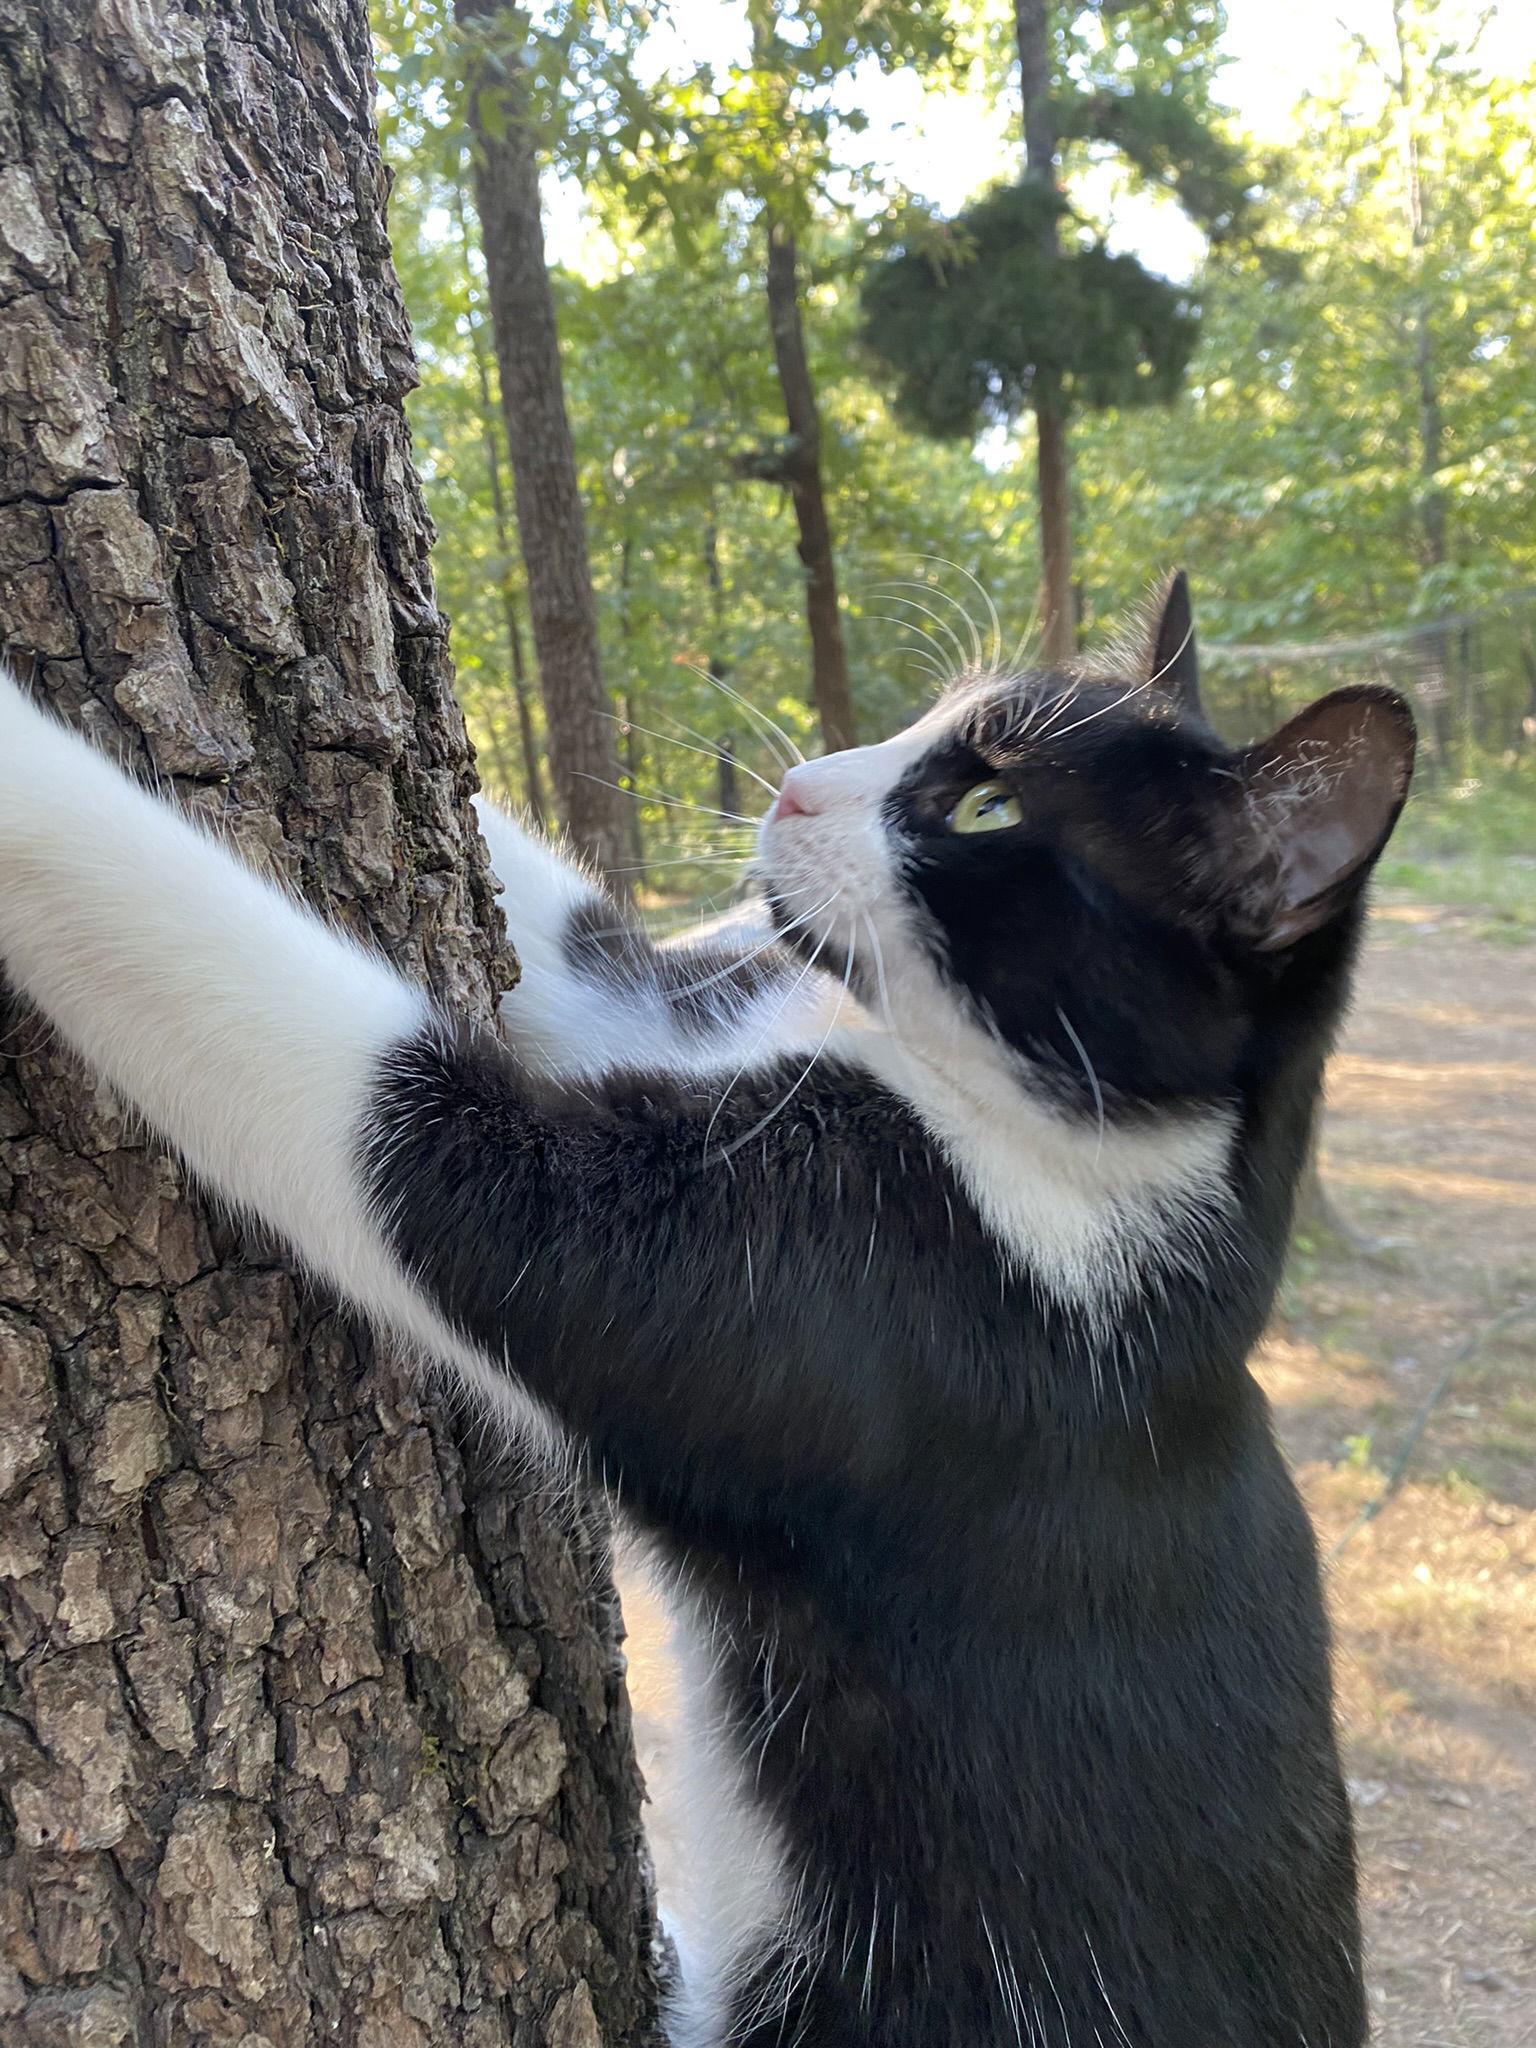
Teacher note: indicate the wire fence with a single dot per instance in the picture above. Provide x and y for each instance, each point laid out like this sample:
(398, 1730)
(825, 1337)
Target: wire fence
(1469, 675)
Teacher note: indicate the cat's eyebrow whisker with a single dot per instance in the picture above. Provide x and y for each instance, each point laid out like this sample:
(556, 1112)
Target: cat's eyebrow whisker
(1031, 626)
(930, 661)
(937, 590)
(796, 758)
(1060, 733)
(1178, 652)
(895, 588)
(943, 562)
(676, 803)
(671, 740)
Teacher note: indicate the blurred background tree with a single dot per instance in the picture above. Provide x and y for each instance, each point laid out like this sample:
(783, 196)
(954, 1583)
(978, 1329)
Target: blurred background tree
(1327, 409)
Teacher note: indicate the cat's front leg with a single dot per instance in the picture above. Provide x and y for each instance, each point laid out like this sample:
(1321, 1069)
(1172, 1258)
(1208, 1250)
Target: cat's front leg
(243, 1028)
(597, 995)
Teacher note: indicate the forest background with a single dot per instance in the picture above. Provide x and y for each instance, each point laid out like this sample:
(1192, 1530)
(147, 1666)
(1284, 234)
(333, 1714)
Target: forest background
(1345, 463)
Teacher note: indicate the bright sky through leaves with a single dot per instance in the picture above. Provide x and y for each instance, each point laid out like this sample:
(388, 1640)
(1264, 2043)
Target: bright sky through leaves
(946, 146)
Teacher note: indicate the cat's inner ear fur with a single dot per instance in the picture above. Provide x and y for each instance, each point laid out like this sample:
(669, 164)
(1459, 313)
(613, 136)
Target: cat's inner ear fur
(1319, 800)
(1173, 665)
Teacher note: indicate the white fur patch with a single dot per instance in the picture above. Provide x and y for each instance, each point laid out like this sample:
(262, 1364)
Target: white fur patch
(730, 1896)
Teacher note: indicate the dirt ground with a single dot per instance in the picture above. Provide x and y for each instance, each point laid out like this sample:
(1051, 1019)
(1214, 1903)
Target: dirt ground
(1430, 1157)
(1430, 1152)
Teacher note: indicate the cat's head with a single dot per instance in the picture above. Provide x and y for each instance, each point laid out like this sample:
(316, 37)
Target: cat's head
(1073, 862)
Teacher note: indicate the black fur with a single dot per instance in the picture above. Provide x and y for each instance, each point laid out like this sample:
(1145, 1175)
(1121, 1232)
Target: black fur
(1021, 1621)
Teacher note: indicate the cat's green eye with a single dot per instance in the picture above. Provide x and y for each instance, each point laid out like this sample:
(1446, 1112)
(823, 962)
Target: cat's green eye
(987, 808)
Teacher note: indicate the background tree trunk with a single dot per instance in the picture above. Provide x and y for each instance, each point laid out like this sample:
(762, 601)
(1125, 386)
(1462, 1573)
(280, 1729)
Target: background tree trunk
(578, 721)
(802, 471)
(1058, 612)
(311, 1725)
(491, 431)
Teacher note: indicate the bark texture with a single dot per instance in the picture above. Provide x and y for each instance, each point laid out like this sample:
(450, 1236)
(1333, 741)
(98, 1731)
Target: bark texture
(1058, 612)
(801, 470)
(578, 720)
(311, 1725)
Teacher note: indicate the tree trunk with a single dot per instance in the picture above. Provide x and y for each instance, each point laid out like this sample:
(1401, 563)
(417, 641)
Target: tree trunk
(629, 733)
(802, 472)
(578, 722)
(311, 1723)
(533, 789)
(1058, 624)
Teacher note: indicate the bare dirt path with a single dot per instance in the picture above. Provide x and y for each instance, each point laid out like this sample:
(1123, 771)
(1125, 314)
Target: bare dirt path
(1431, 1151)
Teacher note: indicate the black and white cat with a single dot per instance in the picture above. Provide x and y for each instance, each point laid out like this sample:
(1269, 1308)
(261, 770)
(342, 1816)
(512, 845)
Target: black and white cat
(903, 1276)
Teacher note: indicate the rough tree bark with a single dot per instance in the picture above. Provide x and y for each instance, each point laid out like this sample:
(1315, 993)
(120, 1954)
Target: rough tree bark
(1058, 621)
(578, 720)
(311, 1726)
(801, 471)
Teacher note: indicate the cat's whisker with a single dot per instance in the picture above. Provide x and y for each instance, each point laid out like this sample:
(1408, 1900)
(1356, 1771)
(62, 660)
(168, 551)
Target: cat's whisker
(784, 1100)
(930, 661)
(762, 1038)
(1175, 658)
(996, 637)
(1135, 690)
(1088, 1069)
(670, 740)
(1031, 627)
(962, 661)
(675, 803)
(794, 757)
(767, 946)
(937, 590)
(879, 953)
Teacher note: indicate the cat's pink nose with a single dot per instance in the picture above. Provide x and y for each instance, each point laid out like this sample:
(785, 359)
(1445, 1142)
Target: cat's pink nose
(791, 799)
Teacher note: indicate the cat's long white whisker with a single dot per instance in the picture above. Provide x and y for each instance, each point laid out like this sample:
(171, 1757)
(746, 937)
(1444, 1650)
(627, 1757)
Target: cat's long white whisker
(985, 595)
(673, 803)
(734, 966)
(943, 625)
(1088, 1069)
(937, 590)
(757, 1044)
(879, 953)
(1031, 627)
(795, 757)
(931, 662)
(1174, 658)
(789, 1094)
(710, 753)
(1052, 731)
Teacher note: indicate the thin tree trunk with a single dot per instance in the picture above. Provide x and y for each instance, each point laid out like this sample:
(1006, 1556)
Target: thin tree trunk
(533, 782)
(1058, 626)
(830, 692)
(634, 750)
(578, 722)
(728, 785)
(311, 1723)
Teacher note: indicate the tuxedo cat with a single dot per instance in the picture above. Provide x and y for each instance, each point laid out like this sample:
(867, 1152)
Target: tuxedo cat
(902, 1273)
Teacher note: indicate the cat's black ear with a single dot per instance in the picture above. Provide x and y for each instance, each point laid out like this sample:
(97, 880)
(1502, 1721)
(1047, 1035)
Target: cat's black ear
(1175, 667)
(1320, 798)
